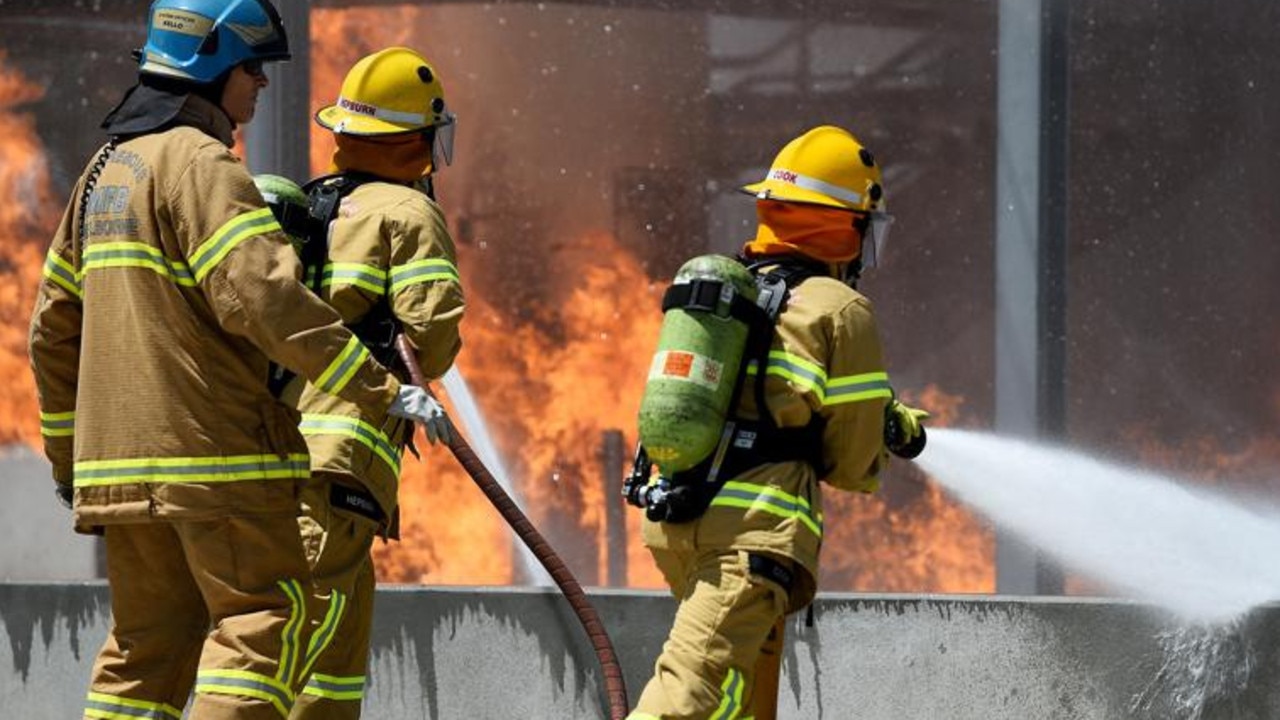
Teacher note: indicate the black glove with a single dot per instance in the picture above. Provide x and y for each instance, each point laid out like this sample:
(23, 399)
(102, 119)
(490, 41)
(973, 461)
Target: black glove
(903, 434)
(64, 493)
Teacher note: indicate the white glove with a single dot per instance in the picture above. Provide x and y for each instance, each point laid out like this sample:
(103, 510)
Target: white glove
(415, 403)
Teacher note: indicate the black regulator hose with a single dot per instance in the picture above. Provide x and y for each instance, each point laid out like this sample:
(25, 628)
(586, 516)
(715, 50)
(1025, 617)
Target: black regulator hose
(529, 535)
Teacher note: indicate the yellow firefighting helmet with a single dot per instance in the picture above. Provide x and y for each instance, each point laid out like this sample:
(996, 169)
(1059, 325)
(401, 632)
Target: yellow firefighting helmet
(828, 166)
(391, 92)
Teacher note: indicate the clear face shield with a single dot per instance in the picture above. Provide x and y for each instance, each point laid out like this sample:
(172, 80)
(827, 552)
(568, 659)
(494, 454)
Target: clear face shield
(877, 234)
(442, 148)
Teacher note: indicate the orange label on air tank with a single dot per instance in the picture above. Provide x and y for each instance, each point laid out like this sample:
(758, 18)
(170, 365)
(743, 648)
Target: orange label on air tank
(687, 366)
(678, 364)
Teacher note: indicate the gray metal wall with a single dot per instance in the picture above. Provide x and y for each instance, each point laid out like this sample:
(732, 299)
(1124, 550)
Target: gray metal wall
(502, 653)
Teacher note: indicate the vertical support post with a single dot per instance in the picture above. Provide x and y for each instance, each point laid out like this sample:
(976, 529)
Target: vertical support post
(1031, 232)
(278, 139)
(613, 458)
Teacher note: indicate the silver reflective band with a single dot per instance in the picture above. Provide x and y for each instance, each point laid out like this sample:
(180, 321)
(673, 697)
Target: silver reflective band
(374, 111)
(792, 177)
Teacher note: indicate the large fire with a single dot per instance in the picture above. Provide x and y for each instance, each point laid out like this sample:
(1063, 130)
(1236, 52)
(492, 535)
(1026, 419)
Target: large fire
(26, 220)
(549, 397)
(551, 381)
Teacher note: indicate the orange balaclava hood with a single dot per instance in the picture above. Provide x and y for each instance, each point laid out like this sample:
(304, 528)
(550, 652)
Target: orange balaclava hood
(814, 231)
(402, 158)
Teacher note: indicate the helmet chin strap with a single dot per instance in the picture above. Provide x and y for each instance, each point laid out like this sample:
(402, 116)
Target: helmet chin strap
(852, 272)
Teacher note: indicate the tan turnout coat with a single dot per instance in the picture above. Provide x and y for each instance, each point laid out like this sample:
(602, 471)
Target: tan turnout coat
(826, 358)
(151, 336)
(389, 243)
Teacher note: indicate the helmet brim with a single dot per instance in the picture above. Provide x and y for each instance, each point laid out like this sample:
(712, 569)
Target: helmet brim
(767, 190)
(332, 117)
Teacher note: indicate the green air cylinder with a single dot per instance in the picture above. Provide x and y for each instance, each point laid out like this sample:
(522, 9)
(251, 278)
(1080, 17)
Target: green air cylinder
(690, 388)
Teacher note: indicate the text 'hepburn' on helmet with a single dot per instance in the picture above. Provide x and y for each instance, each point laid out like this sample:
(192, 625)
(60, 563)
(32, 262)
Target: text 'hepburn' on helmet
(199, 40)
(825, 166)
(391, 91)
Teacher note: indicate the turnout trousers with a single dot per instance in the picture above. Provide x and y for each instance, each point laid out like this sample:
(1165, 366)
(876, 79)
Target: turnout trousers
(725, 618)
(225, 605)
(337, 543)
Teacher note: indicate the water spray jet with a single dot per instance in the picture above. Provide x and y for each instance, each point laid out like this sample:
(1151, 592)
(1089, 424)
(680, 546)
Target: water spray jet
(1184, 549)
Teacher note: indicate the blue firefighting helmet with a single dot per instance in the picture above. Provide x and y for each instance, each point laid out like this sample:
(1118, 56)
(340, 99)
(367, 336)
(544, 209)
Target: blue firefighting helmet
(199, 40)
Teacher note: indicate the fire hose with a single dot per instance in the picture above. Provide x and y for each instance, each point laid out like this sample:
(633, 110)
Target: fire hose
(541, 549)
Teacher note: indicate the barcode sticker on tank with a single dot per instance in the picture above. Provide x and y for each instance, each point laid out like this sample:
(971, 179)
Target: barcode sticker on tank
(691, 367)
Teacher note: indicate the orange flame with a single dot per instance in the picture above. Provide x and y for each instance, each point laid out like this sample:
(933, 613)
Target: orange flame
(550, 382)
(25, 219)
(548, 401)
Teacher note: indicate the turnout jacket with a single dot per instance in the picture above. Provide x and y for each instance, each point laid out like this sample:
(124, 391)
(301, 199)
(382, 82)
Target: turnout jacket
(825, 358)
(151, 335)
(389, 243)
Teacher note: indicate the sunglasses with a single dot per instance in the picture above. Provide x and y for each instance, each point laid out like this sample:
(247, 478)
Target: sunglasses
(254, 68)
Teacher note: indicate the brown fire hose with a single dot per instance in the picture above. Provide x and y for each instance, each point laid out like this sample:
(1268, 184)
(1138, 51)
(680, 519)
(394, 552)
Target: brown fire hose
(533, 539)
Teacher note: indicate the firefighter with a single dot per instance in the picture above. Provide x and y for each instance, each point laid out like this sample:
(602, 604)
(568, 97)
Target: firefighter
(387, 264)
(751, 557)
(166, 288)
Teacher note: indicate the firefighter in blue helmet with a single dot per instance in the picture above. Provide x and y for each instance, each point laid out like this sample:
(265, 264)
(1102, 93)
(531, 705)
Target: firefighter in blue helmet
(170, 283)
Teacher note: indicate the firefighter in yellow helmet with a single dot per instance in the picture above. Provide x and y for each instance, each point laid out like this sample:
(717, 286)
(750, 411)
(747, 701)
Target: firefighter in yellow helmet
(751, 557)
(384, 260)
(167, 287)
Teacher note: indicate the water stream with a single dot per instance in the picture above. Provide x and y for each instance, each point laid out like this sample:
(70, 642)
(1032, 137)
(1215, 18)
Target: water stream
(1203, 556)
(1153, 537)
(467, 413)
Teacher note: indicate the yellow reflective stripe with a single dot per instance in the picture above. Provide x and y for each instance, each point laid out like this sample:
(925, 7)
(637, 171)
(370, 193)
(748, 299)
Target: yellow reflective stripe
(366, 434)
(291, 634)
(114, 707)
(343, 367)
(422, 271)
(324, 634)
(61, 273)
(333, 687)
(855, 388)
(60, 424)
(811, 376)
(366, 277)
(246, 684)
(798, 370)
(191, 469)
(750, 496)
(100, 256)
(731, 696)
(226, 238)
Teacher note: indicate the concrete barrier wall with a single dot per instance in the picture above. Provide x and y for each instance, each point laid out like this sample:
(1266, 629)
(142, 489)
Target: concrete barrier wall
(448, 653)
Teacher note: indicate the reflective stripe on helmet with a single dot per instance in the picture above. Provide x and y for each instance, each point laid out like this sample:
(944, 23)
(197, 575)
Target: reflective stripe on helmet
(374, 111)
(792, 177)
